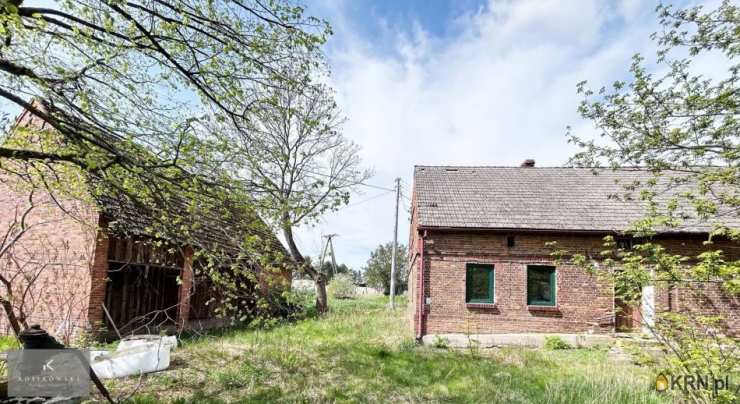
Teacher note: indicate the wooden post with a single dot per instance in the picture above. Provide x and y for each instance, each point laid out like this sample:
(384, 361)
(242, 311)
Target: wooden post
(186, 278)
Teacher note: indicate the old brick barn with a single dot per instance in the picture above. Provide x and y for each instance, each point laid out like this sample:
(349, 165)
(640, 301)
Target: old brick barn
(75, 270)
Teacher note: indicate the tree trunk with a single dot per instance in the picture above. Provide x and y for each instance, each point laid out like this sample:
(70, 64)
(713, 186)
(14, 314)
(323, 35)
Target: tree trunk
(12, 319)
(322, 305)
(319, 278)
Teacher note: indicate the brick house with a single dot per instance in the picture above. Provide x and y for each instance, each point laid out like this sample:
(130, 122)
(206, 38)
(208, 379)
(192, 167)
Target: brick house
(95, 266)
(479, 263)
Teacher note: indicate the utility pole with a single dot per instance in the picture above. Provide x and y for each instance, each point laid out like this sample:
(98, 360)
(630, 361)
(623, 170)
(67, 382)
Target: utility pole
(333, 258)
(330, 245)
(395, 243)
(323, 253)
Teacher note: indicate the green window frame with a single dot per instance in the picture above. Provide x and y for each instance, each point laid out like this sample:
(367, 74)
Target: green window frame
(479, 283)
(541, 285)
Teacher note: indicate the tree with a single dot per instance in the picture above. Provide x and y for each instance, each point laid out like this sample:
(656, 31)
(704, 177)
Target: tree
(684, 128)
(342, 286)
(330, 272)
(104, 73)
(125, 91)
(298, 162)
(378, 268)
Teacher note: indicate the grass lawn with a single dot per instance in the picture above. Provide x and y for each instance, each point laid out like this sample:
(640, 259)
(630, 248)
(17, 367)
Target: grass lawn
(361, 352)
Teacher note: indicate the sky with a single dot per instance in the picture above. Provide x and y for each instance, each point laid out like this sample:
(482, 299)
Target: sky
(464, 82)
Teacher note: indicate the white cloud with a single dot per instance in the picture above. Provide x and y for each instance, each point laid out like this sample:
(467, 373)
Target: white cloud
(500, 91)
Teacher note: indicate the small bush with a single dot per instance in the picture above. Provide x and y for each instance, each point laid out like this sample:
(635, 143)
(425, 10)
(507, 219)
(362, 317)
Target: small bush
(440, 342)
(7, 343)
(406, 345)
(231, 378)
(556, 342)
(342, 286)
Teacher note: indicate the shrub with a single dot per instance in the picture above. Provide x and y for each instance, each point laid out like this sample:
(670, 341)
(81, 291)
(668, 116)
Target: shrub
(555, 342)
(440, 342)
(342, 286)
(406, 345)
(7, 343)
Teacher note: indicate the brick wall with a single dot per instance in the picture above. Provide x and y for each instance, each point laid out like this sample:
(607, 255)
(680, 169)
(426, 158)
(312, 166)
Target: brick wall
(98, 278)
(584, 302)
(51, 261)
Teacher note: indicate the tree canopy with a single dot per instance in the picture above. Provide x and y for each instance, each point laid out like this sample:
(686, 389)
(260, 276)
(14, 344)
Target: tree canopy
(112, 77)
(378, 268)
(684, 128)
(126, 94)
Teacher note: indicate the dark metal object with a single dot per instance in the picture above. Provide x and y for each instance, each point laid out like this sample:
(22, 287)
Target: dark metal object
(36, 338)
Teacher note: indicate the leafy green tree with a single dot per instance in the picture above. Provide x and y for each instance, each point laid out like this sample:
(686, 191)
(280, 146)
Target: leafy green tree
(295, 158)
(126, 91)
(683, 128)
(105, 74)
(330, 272)
(378, 268)
(342, 286)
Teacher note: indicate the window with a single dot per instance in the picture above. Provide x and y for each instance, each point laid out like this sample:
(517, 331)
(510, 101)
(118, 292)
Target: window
(628, 242)
(625, 243)
(541, 285)
(510, 241)
(479, 283)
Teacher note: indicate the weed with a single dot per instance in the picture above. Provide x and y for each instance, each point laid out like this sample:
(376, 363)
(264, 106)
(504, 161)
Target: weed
(440, 342)
(555, 342)
(406, 345)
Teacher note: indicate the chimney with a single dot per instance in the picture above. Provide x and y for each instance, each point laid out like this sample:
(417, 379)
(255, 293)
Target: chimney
(527, 163)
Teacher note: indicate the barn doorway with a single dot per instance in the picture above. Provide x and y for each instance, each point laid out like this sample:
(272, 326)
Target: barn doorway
(143, 289)
(141, 298)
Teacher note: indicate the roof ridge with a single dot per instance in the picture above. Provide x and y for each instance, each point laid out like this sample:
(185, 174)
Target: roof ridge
(529, 168)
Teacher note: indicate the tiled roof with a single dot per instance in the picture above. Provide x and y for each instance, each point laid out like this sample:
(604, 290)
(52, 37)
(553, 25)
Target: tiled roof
(210, 229)
(570, 199)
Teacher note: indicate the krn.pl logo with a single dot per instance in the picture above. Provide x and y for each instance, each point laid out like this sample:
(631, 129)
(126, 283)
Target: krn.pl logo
(661, 383)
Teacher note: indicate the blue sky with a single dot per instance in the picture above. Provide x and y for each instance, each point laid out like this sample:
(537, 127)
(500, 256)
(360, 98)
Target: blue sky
(370, 16)
(465, 83)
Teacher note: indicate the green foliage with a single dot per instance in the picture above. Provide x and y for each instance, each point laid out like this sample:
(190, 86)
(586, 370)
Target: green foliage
(342, 286)
(554, 342)
(378, 268)
(7, 343)
(407, 345)
(440, 342)
(128, 93)
(329, 270)
(683, 128)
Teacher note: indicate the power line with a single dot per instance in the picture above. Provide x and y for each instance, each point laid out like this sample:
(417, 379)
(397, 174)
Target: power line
(359, 183)
(377, 187)
(395, 244)
(365, 200)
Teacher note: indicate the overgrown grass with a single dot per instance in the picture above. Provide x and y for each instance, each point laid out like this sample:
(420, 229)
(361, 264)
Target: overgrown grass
(361, 352)
(6, 343)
